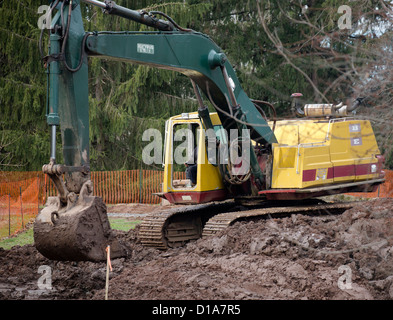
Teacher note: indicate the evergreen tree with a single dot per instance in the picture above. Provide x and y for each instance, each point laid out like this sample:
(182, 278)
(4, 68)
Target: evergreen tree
(23, 130)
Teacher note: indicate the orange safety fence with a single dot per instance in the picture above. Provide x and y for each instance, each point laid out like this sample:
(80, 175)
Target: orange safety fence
(130, 186)
(19, 204)
(127, 186)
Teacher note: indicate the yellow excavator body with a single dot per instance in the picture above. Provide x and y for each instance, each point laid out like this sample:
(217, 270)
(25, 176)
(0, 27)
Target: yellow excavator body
(319, 152)
(312, 157)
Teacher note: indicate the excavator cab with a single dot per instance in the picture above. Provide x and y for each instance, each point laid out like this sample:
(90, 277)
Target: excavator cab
(190, 177)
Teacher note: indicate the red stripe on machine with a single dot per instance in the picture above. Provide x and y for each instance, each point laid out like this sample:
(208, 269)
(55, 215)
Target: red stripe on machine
(309, 175)
(344, 171)
(330, 174)
(363, 169)
(340, 171)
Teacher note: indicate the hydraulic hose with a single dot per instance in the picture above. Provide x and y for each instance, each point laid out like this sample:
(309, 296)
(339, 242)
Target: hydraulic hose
(65, 38)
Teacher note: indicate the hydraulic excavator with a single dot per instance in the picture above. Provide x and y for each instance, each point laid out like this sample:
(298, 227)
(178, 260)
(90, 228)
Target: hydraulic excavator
(283, 163)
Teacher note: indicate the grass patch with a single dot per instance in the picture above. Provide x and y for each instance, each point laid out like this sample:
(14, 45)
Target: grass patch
(123, 224)
(27, 237)
(21, 239)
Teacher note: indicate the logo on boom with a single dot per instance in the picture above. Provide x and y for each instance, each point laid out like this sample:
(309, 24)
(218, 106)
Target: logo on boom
(145, 48)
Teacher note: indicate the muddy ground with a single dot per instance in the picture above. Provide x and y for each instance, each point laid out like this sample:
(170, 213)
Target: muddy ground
(347, 256)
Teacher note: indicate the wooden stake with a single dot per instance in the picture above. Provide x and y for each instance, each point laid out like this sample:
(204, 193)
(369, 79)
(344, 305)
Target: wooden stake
(108, 266)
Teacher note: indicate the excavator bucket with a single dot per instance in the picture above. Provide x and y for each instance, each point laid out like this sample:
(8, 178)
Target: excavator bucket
(79, 231)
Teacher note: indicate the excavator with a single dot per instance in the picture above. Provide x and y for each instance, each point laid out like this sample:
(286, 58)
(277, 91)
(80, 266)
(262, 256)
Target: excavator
(244, 165)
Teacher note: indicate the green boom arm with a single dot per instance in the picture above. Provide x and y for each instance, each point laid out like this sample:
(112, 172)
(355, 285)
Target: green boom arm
(190, 53)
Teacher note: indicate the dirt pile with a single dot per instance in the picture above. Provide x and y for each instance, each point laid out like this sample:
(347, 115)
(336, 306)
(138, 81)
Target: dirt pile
(348, 256)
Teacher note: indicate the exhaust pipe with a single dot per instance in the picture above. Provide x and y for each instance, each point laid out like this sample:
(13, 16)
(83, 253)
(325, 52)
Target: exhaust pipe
(323, 110)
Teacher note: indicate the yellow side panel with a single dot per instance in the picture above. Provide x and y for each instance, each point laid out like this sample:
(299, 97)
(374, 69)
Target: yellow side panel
(286, 157)
(340, 152)
(302, 167)
(352, 146)
(315, 164)
(365, 148)
(302, 158)
(284, 168)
